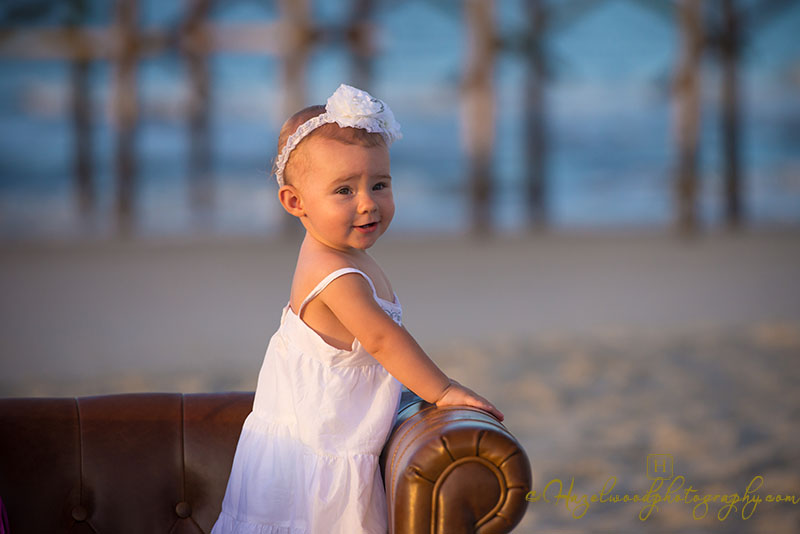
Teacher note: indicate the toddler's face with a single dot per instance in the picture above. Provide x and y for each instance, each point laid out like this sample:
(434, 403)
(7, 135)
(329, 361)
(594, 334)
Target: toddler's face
(347, 194)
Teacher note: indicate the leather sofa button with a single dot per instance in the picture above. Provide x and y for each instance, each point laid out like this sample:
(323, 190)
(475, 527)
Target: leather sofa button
(183, 509)
(79, 513)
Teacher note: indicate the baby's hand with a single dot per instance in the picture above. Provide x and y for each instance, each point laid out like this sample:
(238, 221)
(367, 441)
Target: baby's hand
(458, 395)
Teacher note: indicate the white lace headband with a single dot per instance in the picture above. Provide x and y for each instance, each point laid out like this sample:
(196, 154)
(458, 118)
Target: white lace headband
(347, 106)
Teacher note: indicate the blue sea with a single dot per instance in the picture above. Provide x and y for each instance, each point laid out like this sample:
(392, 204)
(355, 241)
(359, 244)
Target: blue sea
(609, 116)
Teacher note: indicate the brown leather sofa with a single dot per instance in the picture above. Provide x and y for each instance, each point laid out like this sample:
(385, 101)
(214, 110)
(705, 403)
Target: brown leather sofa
(159, 463)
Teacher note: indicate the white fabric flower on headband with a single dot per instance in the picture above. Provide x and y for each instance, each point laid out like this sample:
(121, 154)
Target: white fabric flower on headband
(347, 107)
(353, 107)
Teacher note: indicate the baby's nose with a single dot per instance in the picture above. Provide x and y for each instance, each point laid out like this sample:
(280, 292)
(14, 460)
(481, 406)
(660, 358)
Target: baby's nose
(366, 202)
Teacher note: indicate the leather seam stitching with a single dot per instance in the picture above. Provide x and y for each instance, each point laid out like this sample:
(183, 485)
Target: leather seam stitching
(80, 451)
(183, 448)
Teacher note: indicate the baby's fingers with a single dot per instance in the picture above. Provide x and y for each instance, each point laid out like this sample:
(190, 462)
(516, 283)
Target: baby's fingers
(459, 395)
(494, 411)
(487, 406)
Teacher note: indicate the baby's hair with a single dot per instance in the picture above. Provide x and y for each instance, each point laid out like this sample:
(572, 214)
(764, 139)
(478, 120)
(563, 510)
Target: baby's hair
(346, 135)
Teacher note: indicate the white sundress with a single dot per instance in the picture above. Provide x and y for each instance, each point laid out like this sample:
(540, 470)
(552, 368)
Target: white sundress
(307, 457)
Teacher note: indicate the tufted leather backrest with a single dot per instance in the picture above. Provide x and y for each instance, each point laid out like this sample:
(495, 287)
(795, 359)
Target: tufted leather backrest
(118, 464)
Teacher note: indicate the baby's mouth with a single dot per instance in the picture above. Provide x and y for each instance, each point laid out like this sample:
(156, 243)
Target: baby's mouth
(368, 226)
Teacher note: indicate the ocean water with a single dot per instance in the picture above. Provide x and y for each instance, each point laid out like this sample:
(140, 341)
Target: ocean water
(609, 115)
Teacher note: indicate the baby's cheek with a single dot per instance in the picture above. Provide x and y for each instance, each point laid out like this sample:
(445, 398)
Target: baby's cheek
(388, 211)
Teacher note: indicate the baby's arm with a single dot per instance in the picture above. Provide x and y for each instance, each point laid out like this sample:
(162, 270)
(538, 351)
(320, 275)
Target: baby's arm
(350, 298)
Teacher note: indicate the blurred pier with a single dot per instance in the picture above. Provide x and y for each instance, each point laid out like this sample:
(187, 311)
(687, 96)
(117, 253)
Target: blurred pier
(716, 31)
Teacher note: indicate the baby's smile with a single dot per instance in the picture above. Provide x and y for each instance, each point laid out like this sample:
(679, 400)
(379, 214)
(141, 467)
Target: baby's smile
(368, 227)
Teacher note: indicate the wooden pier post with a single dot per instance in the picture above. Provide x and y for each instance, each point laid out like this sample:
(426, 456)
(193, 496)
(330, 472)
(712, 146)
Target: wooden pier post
(359, 40)
(298, 37)
(729, 47)
(125, 112)
(81, 106)
(687, 97)
(195, 44)
(478, 110)
(82, 135)
(534, 124)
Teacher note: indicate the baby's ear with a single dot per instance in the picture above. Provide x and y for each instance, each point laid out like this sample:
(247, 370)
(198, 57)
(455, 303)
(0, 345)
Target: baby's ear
(291, 201)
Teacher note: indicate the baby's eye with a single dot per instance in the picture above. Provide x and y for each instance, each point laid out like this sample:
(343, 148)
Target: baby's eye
(343, 191)
(381, 185)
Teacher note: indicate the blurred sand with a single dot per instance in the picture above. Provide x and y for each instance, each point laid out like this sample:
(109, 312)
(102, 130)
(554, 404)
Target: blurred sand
(599, 350)
(77, 310)
(723, 402)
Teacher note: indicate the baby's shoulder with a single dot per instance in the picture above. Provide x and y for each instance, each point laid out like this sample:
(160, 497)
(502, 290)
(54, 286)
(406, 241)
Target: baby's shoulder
(317, 266)
(312, 269)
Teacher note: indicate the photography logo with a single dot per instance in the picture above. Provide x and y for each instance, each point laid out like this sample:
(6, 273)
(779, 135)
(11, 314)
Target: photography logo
(665, 488)
(660, 466)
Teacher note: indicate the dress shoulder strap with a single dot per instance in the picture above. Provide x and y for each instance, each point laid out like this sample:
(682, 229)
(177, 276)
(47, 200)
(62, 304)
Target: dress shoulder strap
(330, 278)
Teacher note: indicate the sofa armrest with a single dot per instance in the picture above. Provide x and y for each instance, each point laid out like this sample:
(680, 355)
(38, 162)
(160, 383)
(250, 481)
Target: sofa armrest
(452, 470)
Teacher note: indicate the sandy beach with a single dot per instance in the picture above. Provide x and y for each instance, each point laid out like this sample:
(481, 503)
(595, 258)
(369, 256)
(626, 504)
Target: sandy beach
(599, 349)
(82, 309)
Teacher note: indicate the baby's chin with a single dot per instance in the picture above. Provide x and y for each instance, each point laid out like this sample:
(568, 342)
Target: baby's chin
(369, 244)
